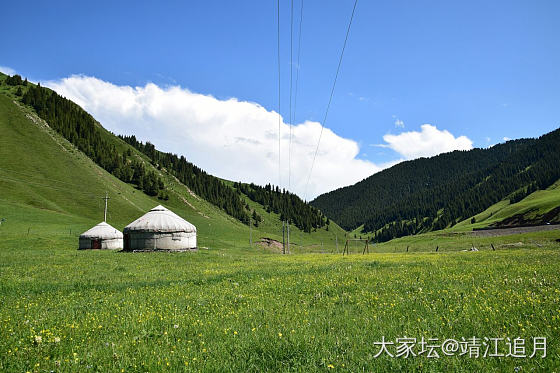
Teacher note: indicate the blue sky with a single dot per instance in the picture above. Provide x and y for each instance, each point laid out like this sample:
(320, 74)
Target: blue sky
(480, 69)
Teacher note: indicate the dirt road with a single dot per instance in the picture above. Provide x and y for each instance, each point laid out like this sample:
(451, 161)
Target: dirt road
(517, 230)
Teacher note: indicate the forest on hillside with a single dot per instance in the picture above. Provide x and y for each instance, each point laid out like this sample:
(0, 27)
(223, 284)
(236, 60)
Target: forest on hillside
(203, 184)
(288, 205)
(408, 198)
(434, 193)
(81, 129)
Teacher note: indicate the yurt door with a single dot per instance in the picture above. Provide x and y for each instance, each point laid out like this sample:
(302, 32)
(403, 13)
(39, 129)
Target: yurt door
(127, 241)
(96, 244)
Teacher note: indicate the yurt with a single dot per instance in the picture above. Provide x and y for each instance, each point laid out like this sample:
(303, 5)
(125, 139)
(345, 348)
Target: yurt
(160, 229)
(102, 236)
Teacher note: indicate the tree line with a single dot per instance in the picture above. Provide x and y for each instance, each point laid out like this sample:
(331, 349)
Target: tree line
(288, 205)
(203, 184)
(80, 129)
(15, 80)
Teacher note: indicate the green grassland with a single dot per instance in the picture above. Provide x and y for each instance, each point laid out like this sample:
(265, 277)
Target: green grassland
(232, 307)
(238, 309)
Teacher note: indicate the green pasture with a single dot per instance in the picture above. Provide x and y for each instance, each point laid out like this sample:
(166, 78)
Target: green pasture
(241, 309)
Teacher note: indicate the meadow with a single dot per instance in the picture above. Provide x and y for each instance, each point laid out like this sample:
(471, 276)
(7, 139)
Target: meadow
(232, 307)
(241, 309)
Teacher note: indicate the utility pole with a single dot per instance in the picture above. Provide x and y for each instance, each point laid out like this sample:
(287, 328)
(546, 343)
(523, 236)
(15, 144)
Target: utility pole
(336, 239)
(283, 237)
(105, 198)
(250, 232)
(288, 225)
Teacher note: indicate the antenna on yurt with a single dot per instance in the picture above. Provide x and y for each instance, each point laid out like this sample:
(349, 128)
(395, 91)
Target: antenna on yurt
(105, 198)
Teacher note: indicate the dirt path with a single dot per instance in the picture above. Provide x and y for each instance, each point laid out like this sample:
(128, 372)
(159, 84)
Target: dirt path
(517, 230)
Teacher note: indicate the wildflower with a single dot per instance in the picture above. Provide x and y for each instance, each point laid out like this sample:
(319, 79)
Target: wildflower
(56, 339)
(175, 326)
(280, 335)
(38, 339)
(330, 366)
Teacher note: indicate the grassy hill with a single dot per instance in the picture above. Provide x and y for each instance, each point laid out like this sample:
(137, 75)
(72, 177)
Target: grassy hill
(47, 185)
(42, 174)
(530, 210)
(436, 193)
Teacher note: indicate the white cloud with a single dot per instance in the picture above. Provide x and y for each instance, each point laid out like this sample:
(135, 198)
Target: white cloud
(232, 139)
(7, 70)
(506, 139)
(399, 123)
(428, 142)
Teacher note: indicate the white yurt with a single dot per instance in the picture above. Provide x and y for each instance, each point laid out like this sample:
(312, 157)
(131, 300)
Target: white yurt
(102, 236)
(160, 229)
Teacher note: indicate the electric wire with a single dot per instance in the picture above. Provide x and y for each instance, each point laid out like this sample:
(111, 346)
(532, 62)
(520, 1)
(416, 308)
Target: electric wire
(330, 98)
(279, 100)
(291, 80)
(298, 63)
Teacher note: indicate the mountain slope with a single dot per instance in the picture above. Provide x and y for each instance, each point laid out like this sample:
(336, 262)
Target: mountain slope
(539, 207)
(48, 185)
(434, 193)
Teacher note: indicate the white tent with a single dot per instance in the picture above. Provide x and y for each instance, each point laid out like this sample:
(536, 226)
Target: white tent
(160, 229)
(102, 236)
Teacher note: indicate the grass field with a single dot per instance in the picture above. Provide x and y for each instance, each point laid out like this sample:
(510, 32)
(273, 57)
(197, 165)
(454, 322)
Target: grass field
(237, 309)
(232, 307)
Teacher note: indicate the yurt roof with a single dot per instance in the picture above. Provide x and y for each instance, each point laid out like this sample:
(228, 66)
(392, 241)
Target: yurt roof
(160, 219)
(102, 230)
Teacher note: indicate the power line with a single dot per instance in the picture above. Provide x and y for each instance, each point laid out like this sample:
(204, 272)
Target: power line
(279, 121)
(279, 107)
(290, 122)
(331, 96)
(290, 112)
(298, 64)
(293, 113)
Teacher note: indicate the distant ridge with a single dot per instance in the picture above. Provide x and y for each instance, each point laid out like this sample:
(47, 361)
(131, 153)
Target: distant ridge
(434, 193)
